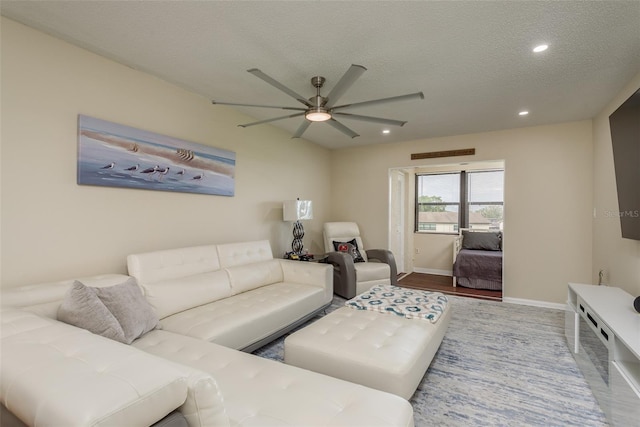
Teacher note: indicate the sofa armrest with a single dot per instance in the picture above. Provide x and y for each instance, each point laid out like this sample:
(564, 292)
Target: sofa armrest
(385, 256)
(204, 406)
(457, 245)
(344, 274)
(308, 273)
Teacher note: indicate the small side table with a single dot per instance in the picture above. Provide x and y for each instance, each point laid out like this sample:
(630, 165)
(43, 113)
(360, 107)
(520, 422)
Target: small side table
(305, 257)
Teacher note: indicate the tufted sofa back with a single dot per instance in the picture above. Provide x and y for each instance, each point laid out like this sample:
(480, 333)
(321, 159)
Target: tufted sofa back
(45, 298)
(173, 263)
(176, 280)
(232, 254)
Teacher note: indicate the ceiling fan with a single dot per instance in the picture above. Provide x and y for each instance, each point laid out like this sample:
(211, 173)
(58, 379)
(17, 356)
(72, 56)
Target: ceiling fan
(323, 108)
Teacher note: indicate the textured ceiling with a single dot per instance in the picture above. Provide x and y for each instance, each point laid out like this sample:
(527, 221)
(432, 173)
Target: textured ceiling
(473, 60)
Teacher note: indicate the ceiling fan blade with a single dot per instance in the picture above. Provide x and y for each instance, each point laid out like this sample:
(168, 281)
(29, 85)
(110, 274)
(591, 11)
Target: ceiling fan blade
(271, 120)
(371, 119)
(381, 101)
(344, 83)
(342, 128)
(261, 106)
(280, 86)
(303, 127)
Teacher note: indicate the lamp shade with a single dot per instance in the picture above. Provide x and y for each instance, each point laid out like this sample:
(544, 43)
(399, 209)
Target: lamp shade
(297, 210)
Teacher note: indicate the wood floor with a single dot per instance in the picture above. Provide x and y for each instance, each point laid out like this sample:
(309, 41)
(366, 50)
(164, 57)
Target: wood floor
(444, 284)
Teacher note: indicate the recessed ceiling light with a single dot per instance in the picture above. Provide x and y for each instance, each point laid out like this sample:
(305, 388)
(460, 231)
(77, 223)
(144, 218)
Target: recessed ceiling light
(540, 48)
(385, 131)
(523, 113)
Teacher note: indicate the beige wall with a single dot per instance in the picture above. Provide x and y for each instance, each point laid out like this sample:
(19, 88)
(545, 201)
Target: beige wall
(433, 253)
(548, 201)
(51, 228)
(619, 257)
(54, 229)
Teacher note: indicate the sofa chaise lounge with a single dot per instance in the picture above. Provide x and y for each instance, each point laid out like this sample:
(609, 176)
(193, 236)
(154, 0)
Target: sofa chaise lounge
(57, 374)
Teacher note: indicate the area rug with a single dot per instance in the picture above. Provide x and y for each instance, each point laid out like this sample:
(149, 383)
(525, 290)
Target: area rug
(499, 364)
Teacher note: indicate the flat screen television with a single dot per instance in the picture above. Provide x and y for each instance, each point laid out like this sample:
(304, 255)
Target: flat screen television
(625, 138)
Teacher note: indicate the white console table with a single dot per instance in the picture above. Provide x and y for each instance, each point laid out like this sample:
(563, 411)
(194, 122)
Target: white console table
(603, 333)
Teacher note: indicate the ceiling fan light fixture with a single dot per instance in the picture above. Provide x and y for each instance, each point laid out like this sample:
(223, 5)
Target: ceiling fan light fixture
(540, 48)
(320, 108)
(317, 114)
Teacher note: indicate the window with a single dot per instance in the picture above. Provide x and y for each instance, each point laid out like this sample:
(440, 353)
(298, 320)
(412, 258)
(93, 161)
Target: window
(485, 199)
(438, 202)
(446, 202)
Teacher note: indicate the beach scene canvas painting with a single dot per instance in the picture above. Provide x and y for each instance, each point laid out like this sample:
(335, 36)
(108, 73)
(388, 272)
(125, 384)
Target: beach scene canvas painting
(115, 155)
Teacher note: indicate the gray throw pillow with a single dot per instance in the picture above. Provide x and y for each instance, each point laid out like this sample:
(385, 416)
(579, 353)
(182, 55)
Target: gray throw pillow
(481, 240)
(117, 312)
(81, 307)
(129, 306)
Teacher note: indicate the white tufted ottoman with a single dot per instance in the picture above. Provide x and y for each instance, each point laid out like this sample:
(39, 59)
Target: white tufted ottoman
(378, 350)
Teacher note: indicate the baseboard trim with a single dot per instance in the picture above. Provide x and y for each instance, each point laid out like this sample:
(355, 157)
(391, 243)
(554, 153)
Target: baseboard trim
(433, 271)
(535, 303)
(402, 276)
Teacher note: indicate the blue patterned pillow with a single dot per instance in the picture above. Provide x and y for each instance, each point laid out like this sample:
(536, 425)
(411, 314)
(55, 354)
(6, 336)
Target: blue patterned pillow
(350, 247)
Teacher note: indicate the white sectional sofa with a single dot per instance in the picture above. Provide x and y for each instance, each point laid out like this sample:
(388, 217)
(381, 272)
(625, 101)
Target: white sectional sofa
(55, 374)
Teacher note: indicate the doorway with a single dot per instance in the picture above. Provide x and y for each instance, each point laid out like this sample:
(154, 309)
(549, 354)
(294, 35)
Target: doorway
(428, 250)
(397, 203)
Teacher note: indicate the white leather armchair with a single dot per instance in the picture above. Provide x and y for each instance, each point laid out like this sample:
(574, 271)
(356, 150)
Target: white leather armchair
(352, 278)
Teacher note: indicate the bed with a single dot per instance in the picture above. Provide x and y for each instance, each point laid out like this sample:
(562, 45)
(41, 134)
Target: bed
(477, 259)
